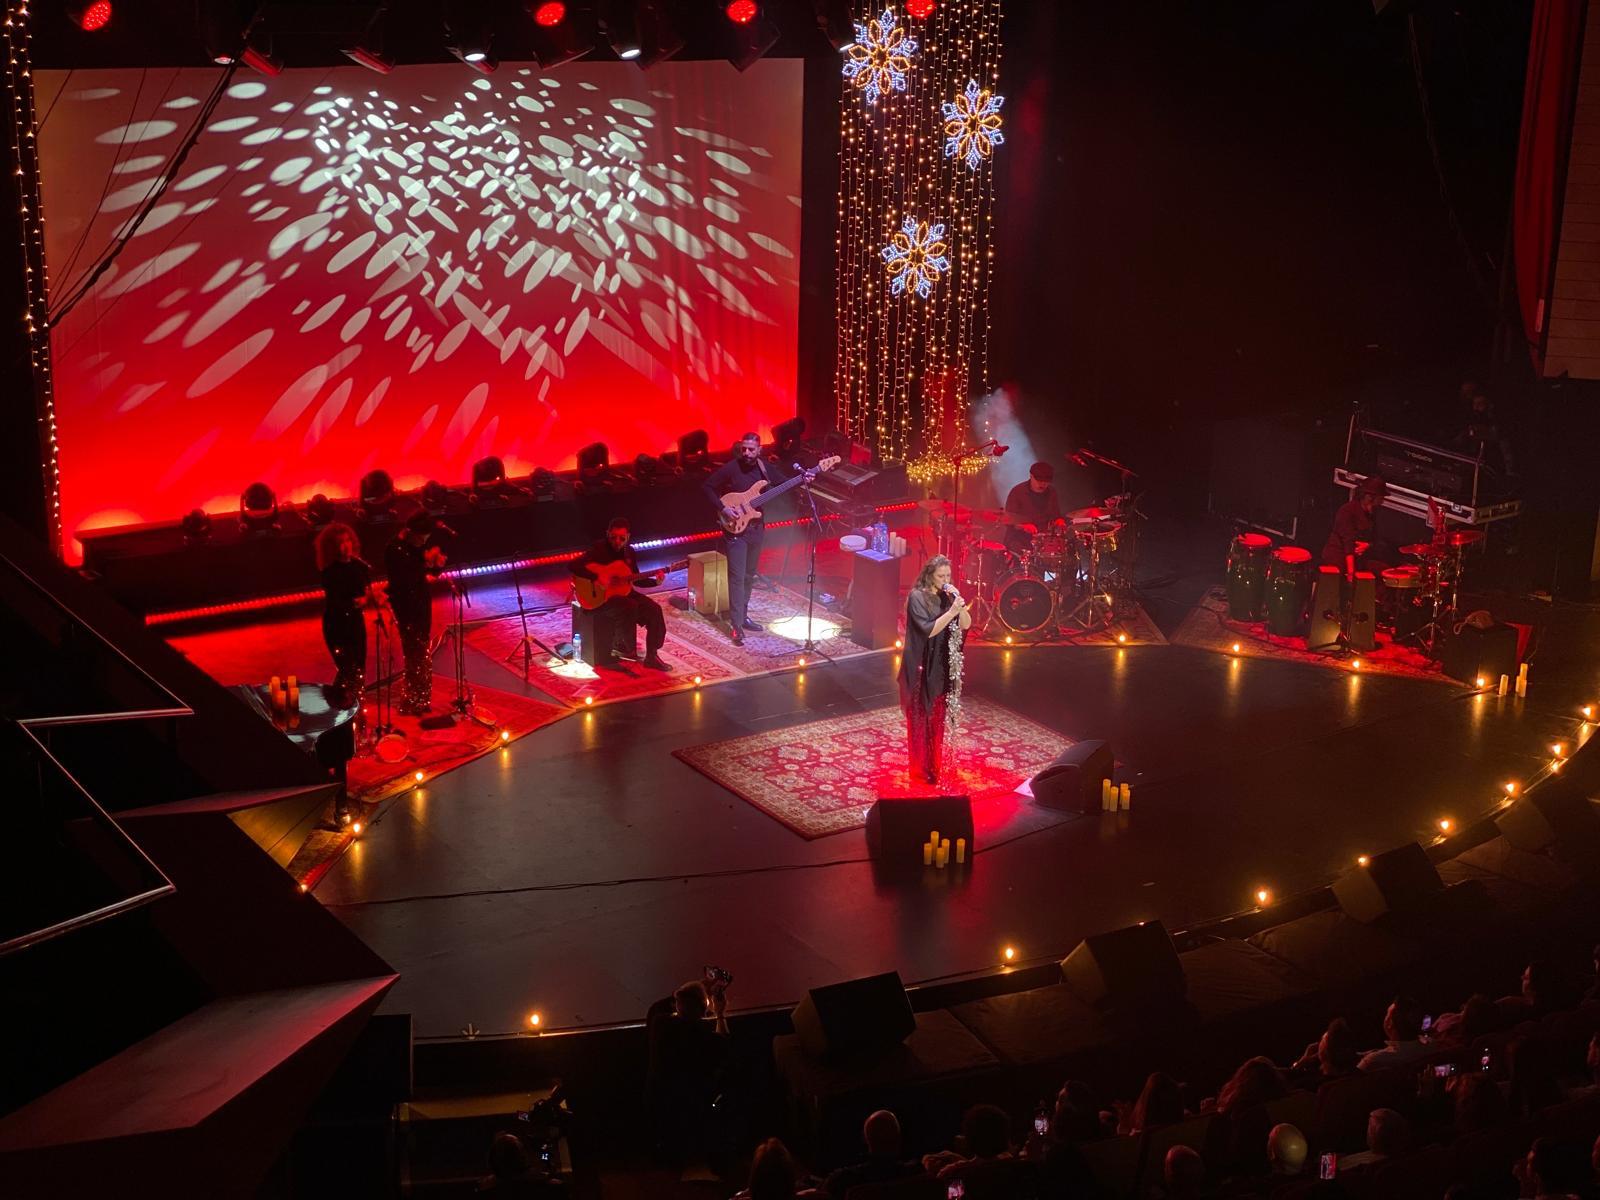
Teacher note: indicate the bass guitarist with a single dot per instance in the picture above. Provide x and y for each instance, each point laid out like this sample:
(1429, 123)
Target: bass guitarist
(743, 550)
(629, 609)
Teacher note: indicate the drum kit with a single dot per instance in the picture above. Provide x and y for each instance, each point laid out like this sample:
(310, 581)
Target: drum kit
(1418, 600)
(1072, 577)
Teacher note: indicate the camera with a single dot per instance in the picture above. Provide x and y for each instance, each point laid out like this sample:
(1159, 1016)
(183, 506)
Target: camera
(1443, 1070)
(1329, 1167)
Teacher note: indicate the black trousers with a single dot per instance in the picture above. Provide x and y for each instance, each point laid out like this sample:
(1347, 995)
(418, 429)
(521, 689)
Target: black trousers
(743, 551)
(629, 612)
(345, 635)
(415, 631)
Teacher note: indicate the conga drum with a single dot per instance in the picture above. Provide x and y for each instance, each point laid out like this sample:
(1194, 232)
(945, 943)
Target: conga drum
(1288, 590)
(1247, 575)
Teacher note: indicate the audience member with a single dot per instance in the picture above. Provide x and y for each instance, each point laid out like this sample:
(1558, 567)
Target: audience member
(1388, 1135)
(512, 1176)
(1533, 1065)
(688, 1061)
(773, 1175)
(1286, 1150)
(1544, 990)
(1479, 1104)
(1332, 1056)
(1592, 996)
(1077, 1117)
(1478, 1017)
(1554, 1170)
(1236, 1139)
(882, 1163)
(1184, 1173)
(1402, 1031)
(1160, 1103)
(985, 1141)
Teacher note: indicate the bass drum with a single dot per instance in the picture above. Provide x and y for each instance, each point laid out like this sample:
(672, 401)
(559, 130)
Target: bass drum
(1026, 605)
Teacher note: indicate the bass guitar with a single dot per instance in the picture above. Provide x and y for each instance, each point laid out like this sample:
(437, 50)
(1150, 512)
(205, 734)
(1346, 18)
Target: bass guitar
(740, 508)
(616, 579)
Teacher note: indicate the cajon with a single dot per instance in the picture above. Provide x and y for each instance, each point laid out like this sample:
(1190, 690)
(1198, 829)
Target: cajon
(708, 580)
(1325, 602)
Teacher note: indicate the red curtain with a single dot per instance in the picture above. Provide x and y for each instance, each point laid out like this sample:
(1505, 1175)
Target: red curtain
(1547, 100)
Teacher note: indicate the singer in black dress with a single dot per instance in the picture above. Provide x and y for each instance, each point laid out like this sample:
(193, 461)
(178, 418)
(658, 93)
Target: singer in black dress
(925, 664)
(346, 583)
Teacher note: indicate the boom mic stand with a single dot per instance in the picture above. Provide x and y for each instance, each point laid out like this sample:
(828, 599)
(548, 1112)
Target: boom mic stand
(462, 707)
(813, 533)
(528, 641)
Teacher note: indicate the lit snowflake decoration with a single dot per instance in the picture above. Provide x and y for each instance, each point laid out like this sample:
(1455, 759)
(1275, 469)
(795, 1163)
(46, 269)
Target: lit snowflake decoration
(880, 57)
(916, 257)
(972, 125)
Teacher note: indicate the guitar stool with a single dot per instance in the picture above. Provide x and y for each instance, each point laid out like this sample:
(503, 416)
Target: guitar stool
(598, 629)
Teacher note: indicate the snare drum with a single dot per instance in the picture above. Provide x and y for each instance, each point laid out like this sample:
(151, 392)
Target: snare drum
(1403, 579)
(1026, 605)
(1247, 575)
(1050, 551)
(1288, 590)
(1403, 598)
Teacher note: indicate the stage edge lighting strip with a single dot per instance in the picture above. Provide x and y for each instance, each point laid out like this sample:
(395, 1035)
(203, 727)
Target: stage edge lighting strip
(477, 571)
(16, 35)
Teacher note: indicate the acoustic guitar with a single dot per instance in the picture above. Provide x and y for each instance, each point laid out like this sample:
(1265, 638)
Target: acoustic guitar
(615, 579)
(740, 508)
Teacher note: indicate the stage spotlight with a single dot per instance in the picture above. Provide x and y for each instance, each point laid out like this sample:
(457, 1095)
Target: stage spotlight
(641, 31)
(372, 60)
(319, 511)
(549, 14)
(488, 478)
(562, 39)
(1362, 860)
(505, 735)
(742, 12)
(619, 23)
(376, 493)
(1263, 897)
(262, 60)
(920, 9)
(593, 459)
(694, 449)
(544, 483)
(258, 508)
(751, 40)
(90, 15)
(645, 469)
(467, 34)
(836, 23)
(435, 497)
(196, 527)
(1446, 824)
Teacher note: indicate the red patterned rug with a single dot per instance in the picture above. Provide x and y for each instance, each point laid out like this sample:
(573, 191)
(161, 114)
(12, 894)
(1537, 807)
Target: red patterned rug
(696, 647)
(821, 778)
(431, 751)
(1132, 627)
(1209, 627)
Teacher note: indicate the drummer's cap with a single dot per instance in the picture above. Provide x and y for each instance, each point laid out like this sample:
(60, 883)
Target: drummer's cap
(1042, 471)
(1372, 486)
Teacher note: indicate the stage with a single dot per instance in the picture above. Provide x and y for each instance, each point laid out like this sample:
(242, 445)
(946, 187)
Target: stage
(584, 870)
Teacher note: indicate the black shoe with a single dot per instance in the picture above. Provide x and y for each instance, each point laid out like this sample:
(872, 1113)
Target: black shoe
(736, 637)
(631, 653)
(753, 627)
(654, 662)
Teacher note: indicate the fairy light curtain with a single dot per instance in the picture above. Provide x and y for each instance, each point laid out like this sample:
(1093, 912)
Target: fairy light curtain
(921, 120)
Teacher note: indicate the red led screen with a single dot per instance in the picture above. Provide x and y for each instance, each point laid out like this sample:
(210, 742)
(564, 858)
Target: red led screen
(413, 271)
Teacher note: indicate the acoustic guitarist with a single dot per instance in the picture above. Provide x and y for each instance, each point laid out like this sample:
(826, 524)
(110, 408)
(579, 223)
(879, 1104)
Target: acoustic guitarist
(612, 565)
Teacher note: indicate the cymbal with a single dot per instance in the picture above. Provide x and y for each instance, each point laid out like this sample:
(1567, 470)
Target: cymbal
(997, 516)
(945, 508)
(1093, 513)
(1094, 529)
(1423, 550)
(1466, 537)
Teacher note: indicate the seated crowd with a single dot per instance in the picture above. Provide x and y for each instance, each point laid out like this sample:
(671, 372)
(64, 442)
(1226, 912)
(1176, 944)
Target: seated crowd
(1500, 1098)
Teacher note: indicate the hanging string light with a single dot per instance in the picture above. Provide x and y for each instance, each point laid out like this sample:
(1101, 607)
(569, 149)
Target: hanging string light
(15, 42)
(914, 247)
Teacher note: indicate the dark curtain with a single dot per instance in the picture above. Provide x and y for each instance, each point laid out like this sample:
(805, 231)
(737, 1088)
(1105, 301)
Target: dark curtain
(1553, 55)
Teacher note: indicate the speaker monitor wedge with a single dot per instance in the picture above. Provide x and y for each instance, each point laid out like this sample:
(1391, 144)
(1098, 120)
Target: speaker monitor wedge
(1557, 816)
(1132, 970)
(1401, 880)
(1072, 782)
(861, 1016)
(897, 826)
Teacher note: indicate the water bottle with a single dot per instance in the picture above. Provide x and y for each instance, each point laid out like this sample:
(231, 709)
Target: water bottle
(880, 538)
(577, 645)
(691, 599)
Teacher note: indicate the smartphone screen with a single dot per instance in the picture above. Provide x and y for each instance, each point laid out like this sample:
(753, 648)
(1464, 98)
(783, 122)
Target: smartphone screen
(1041, 1124)
(1483, 1063)
(1443, 1070)
(956, 1190)
(1330, 1166)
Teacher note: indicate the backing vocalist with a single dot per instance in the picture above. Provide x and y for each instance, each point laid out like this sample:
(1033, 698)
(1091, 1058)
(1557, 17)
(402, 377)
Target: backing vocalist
(927, 664)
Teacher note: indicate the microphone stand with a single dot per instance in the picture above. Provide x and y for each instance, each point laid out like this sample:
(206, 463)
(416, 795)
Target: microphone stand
(956, 549)
(528, 641)
(462, 706)
(813, 531)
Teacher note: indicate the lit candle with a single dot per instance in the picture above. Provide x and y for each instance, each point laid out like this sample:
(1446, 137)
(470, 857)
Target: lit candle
(961, 850)
(934, 838)
(1522, 685)
(1125, 799)
(943, 857)
(1522, 671)
(927, 854)
(1505, 683)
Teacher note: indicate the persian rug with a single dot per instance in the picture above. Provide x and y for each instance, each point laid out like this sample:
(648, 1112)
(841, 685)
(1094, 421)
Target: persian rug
(821, 778)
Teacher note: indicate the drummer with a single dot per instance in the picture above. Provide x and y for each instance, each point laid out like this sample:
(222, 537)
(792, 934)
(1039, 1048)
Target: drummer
(1035, 504)
(1349, 540)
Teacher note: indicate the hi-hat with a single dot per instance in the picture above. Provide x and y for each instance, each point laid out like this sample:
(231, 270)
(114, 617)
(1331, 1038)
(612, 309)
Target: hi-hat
(1424, 550)
(944, 508)
(1093, 513)
(1466, 537)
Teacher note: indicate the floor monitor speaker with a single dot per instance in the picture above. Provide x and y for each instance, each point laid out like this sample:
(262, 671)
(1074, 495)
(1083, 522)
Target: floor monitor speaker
(861, 1016)
(1556, 816)
(1397, 881)
(897, 826)
(1072, 782)
(1132, 970)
